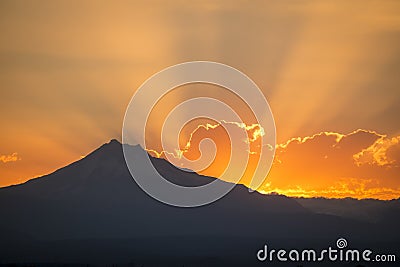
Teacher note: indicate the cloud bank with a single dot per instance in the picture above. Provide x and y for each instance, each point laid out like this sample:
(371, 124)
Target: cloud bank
(361, 164)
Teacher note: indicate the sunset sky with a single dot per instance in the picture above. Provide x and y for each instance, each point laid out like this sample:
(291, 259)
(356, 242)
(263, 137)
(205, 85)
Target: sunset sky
(329, 69)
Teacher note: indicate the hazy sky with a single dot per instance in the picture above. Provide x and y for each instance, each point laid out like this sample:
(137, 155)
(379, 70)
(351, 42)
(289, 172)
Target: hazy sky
(69, 68)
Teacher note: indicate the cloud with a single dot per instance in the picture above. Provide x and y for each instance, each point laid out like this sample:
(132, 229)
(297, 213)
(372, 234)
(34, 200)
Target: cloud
(384, 152)
(222, 149)
(254, 133)
(9, 158)
(360, 164)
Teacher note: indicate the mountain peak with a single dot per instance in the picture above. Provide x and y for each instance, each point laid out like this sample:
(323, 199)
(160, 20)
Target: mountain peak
(114, 141)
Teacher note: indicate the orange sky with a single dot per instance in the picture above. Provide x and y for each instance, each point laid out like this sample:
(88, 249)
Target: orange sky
(69, 69)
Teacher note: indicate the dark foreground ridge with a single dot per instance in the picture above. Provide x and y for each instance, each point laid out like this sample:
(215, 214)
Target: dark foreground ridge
(92, 212)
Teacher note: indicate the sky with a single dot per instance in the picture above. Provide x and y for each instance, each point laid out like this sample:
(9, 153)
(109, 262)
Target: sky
(329, 70)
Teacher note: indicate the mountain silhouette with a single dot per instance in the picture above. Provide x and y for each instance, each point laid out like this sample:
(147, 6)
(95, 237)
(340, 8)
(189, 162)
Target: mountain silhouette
(92, 211)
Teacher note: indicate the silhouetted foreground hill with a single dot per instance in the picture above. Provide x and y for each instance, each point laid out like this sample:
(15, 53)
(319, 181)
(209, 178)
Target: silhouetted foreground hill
(370, 210)
(93, 212)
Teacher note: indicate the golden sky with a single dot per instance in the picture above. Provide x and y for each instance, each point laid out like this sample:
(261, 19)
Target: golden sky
(327, 68)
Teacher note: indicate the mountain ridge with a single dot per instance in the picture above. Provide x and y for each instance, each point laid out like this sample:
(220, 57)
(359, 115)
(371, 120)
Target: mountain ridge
(95, 199)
